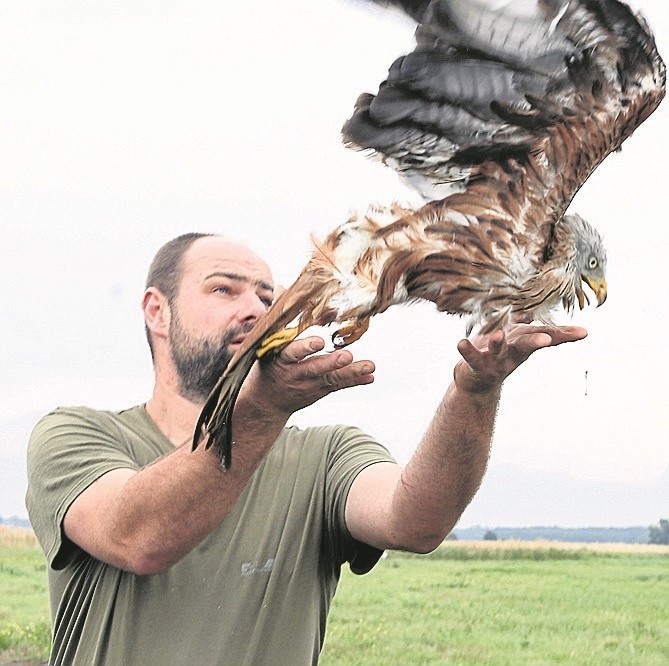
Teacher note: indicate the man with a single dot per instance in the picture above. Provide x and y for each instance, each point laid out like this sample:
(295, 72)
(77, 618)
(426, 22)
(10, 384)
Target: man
(159, 556)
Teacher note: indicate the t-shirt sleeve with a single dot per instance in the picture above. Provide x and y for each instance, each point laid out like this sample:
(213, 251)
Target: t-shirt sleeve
(68, 450)
(350, 452)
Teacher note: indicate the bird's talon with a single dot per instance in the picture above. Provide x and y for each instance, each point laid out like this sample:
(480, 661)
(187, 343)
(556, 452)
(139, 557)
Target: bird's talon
(338, 340)
(276, 340)
(349, 333)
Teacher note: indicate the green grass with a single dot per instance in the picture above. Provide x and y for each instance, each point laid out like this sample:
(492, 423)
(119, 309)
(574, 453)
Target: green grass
(506, 607)
(25, 631)
(502, 604)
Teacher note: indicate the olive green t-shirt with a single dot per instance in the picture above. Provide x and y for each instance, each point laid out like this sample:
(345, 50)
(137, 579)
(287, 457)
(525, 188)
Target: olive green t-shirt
(256, 591)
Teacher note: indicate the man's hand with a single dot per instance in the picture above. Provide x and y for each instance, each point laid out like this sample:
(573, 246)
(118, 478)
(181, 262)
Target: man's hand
(299, 375)
(489, 360)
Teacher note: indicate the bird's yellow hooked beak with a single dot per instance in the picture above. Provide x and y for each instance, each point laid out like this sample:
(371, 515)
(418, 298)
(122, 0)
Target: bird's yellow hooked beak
(598, 287)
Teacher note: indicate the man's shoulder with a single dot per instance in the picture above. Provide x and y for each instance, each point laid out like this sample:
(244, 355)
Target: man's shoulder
(89, 415)
(77, 425)
(327, 431)
(82, 440)
(334, 433)
(329, 444)
(325, 436)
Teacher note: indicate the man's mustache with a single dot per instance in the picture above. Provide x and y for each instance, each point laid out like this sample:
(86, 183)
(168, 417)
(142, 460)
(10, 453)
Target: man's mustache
(235, 332)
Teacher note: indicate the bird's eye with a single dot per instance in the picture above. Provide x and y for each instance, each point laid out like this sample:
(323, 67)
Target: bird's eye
(593, 263)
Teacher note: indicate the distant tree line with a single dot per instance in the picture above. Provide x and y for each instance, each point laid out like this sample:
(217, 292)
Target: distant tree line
(656, 534)
(659, 533)
(14, 521)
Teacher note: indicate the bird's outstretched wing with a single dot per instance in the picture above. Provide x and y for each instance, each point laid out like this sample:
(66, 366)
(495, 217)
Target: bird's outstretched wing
(544, 89)
(414, 8)
(498, 117)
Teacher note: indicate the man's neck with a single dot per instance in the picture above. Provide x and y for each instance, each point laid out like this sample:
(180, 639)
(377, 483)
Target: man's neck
(174, 415)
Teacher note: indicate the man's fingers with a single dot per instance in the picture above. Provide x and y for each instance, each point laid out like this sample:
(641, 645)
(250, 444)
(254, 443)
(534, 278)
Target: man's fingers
(569, 334)
(470, 353)
(538, 337)
(298, 350)
(558, 334)
(331, 371)
(523, 337)
(318, 365)
(326, 380)
(355, 374)
(538, 341)
(500, 352)
(476, 357)
(497, 343)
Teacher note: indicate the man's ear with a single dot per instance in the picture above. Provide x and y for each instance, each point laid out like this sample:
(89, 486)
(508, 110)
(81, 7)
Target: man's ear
(157, 313)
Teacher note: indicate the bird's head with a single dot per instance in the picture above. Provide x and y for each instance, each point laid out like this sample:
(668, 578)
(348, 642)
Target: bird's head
(590, 259)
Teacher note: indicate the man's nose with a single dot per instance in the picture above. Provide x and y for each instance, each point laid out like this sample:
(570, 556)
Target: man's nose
(252, 307)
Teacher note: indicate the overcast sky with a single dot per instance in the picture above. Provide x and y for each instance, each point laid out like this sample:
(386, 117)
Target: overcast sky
(125, 123)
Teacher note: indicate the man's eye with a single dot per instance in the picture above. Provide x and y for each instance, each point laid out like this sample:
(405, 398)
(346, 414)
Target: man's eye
(267, 302)
(222, 290)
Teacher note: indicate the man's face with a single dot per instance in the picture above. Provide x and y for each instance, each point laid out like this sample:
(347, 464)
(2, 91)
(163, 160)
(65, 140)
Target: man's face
(224, 290)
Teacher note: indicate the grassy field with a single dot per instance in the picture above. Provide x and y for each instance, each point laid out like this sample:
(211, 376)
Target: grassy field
(495, 603)
(505, 603)
(24, 612)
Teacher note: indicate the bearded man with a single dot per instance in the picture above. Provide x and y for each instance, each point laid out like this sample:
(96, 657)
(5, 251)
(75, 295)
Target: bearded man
(159, 556)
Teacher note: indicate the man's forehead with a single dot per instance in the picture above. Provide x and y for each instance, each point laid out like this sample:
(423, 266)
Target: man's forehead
(257, 283)
(216, 256)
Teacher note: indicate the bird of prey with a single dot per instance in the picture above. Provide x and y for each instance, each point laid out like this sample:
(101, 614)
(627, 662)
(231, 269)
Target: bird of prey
(497, 117)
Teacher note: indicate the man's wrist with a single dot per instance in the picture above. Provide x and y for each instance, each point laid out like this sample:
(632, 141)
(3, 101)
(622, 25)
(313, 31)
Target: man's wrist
(467, 382)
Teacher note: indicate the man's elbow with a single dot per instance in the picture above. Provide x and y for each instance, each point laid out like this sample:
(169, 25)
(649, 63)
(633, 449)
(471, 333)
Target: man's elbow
(421, 545)
(417, 541)
(145, 563)
(146, 568)
(142, 557)
(423, 539)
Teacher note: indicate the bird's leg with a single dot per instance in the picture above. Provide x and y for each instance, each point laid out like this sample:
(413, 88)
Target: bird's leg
(350, 332)
(277, 340)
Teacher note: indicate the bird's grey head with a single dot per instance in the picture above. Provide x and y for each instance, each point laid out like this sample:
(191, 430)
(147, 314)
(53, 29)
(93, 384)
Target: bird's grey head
(590, 259)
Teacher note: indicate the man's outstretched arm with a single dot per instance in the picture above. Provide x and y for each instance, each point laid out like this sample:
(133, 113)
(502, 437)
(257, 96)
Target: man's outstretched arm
(148, 520)
(416, 507)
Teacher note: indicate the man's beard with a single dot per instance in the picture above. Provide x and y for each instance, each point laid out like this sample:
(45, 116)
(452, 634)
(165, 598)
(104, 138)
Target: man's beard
(200, 362)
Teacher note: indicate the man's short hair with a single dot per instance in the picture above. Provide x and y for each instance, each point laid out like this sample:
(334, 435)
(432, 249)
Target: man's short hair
(166, 269)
